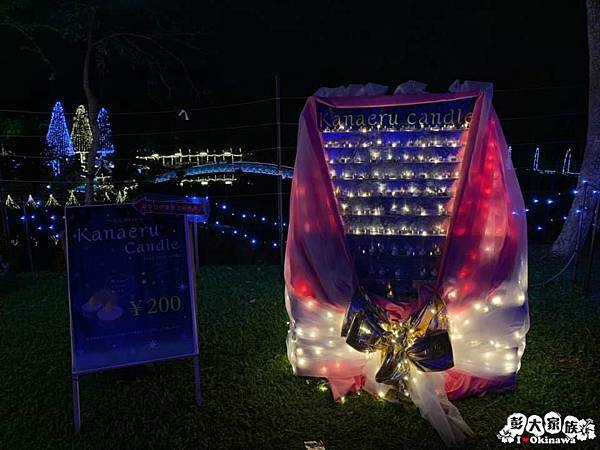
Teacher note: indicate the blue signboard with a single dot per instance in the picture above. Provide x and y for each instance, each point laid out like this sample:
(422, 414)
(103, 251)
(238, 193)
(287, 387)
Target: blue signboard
(131, 287)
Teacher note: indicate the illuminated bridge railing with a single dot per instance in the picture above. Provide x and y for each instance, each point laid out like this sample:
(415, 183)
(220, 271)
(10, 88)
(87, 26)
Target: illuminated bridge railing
(245, 167)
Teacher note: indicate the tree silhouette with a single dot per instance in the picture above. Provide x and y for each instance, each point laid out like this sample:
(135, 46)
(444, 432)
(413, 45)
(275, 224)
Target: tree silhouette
(589, 178)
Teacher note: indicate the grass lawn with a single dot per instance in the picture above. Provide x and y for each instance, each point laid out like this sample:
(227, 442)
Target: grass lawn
(251, 398)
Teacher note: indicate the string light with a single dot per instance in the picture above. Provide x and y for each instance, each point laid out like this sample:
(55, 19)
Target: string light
(105, 143)
(536, 159)
(566, 168)
(81, 134)
(58, 142)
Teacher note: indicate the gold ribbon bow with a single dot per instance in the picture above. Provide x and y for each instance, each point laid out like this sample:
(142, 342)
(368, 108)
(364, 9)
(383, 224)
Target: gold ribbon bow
(422, 339)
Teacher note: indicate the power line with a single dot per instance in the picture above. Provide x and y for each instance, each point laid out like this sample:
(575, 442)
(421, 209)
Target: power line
(164, 111)
(259, 101)
(544, 143)
(266, 124)
(544, 116)
(158, 133)
(541, 88)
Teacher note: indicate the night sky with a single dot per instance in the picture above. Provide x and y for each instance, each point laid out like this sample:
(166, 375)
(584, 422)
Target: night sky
(534, 52)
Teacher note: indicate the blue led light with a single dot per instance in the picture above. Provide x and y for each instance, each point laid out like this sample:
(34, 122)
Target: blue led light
(253, 241)
(535, 200)
(58, 140)
(105, 145)
(549, 201)
(223, 206)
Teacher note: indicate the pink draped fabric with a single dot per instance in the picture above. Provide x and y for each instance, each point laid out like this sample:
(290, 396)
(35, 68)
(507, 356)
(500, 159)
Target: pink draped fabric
(482, 276)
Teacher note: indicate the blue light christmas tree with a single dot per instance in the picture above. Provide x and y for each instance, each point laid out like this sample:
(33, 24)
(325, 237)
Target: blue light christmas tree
(58, 141)
(106, 146)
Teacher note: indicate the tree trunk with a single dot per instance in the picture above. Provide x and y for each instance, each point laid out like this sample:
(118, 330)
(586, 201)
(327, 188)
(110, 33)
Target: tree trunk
(92, 103)
(590, 167)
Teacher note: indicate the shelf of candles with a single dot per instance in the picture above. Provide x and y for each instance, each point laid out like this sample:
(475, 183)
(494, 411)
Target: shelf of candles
(412, 206)
(389, 231)
(397, 145)
(393, 210)
(394, 215)
(379, 249)
(387, 160)
(384, 276)
(406, 175)
(398, 193)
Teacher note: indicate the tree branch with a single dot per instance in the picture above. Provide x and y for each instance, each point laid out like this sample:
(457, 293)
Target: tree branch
(154, 42)
(36, 48)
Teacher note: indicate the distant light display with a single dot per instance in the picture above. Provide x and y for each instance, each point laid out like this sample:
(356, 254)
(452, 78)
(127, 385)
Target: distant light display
(106, 146)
